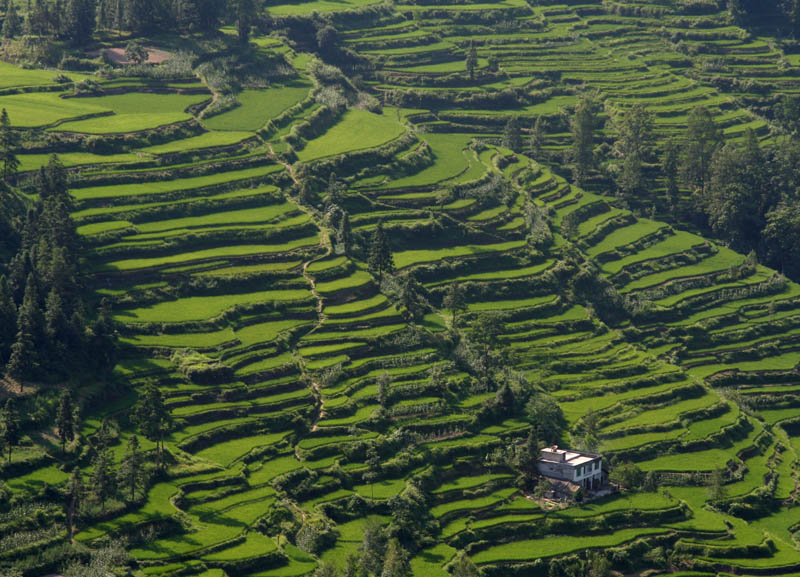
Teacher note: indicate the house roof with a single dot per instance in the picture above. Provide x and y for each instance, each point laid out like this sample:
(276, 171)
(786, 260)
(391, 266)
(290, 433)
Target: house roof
(572, 458)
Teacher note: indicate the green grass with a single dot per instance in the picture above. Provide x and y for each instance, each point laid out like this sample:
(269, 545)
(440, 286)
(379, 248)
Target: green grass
(357, 130)
(211, 253)
(412, 257)
(163, 186)
(558, 545)
(258, 107)
(206, 140)
(202, 308)
(227, 452)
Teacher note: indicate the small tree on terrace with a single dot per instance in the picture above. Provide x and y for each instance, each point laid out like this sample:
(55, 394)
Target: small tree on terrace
(471, 60)
(9, 426)
(511, 134)
(583, 124)
(464, 567)
(380, 258)
(131, 470)
(153, 418)
(454, 300)
(136, 52)
(65, 420)
(9, 143)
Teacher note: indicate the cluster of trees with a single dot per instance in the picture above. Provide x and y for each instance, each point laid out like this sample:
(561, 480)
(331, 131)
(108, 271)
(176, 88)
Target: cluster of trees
(781, 14)
(44, 332)
(77, 20)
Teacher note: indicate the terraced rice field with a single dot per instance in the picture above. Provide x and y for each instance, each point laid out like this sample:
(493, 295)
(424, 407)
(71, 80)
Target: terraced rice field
(326, 401)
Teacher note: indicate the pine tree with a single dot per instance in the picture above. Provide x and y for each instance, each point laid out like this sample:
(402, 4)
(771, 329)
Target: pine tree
(245, 16)
(57, 329)
(454, 300)
(346, 234)
(380, 259)
(131, 470)
(703, 137)
(635, 133)
(10, 426)
(471, 60)
(25, 359)
(8, 320)
(104, 339)
(102, 476)
(511, 134)
(74, 495)
(536, 142)
(669, 168)
(153, 418)
(583, 125)
(12, 25)
(9, 143)
(65, 420)
(79, 21)
(412, 302)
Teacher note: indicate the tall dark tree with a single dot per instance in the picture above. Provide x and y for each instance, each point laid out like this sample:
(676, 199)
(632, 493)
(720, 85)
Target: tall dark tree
(245, 11)
(670, 165)
(380, 259)
(582, 126)
(635, 134)
(511, 134)
(104, 339)
(102, 477)
(454, 300)
(413, 303)
(79, 20)
(131, 470)
(74, 496)
(25, 359)
(140, 15)
(471, 60)
(8, 320)
(9, 144)
(703, 137)
(732, 200)
(345, 233)
(373, 547)
(153, 418)
(65, 420)
(547, 416)
(12, 24)
(782, 237)
(11, 426)
(536, 141)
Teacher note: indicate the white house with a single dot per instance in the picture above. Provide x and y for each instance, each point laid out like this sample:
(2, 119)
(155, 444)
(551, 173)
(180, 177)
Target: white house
(584, 469)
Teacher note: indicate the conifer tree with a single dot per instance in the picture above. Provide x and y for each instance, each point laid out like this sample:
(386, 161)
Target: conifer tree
(8, 320)
(380, 259)
(65, 420)
(583, 125)
(12, 24)
(102, 476)
(74, 495)
(10, 426)
(703, 137)
(536, 141)
(511, 134)
(464, 567)
(153, 418)
(131, 470)
(25, 361)
(345, 233)
(9, 143)
(471, 60)
(454, 300)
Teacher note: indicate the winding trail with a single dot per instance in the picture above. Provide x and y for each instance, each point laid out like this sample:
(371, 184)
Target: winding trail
(325, 240)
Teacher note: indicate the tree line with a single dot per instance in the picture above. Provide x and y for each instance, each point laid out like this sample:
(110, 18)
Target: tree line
(76, 21)
(742, 193)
